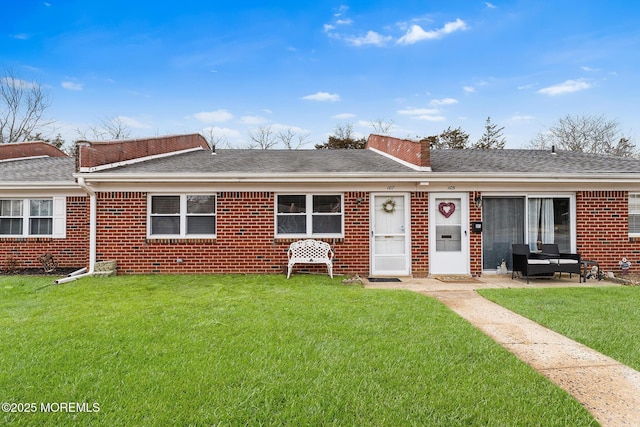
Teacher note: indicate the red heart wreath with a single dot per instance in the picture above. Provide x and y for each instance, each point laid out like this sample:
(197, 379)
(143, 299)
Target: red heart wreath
(447, 209)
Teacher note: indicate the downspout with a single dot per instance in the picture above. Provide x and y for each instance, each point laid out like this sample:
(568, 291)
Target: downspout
(93, 221)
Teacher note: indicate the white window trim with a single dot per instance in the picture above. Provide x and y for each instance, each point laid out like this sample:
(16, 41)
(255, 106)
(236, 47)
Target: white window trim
(183, 217)
(630, 212)
(58, 217)
(309, 215)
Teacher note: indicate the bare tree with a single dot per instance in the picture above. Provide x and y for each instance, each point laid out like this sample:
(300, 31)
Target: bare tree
(382, 127)
(214, 139)
(109, 128)
(343, 137)
(292, 140)
(589, 134)
(263, 138)
(22, 106)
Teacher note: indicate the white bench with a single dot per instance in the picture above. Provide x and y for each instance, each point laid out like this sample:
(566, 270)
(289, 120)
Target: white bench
(310, 252)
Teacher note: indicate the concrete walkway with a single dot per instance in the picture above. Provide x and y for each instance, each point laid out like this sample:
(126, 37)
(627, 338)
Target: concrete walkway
(608, 389)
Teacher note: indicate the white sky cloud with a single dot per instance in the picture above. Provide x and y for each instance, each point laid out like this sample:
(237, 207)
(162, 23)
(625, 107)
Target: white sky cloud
(253, 120)
(568, 86)
(417, 34)
(443, 101)
(323, 97)
(418, 111)
(72, 85)
(469, 89)
(217, 116)
(371, 38)
(522, 118)
(490, 5)
(431, 117)
(428, 114)
(133, 123)
(227, 132)
(343, 116)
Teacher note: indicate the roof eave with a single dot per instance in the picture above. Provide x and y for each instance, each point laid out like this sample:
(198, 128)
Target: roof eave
(251, 178)
(534, 177)
(30, 185)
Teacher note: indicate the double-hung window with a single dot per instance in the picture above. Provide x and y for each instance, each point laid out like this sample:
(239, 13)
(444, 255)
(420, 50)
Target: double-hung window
(309, 215)
(634, 215)
(184, 215)
(33, 217)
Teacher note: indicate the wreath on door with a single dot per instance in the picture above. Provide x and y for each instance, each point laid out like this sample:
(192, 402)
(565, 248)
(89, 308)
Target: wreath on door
(389, 206)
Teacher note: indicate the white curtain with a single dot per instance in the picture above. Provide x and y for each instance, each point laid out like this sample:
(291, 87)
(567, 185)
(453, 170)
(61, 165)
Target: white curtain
(541, 222)
(534, 221)
(547, 221)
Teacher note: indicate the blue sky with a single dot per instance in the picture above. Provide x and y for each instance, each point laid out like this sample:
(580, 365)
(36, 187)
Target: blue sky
(234, 66)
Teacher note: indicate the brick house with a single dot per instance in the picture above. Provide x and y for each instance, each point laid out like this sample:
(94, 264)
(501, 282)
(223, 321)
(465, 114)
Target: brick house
(172, 205)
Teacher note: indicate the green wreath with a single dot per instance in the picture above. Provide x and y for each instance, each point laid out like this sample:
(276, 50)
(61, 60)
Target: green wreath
(389, 206)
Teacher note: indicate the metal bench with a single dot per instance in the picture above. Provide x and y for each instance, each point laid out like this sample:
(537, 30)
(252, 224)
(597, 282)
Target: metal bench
(310, 252)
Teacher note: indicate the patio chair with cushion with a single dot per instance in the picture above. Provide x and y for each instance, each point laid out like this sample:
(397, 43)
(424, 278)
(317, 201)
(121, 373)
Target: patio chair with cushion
(530, 265)
(564, 262)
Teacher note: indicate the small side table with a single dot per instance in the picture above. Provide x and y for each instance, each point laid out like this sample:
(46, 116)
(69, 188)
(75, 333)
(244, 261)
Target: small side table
(586, 267)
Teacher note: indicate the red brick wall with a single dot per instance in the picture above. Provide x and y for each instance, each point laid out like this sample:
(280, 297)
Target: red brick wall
(29, 149)
(416, 153)
(475, 239)
(602, 229)
(91, 154)
(70, 252)
(420, 234)
(245, 240)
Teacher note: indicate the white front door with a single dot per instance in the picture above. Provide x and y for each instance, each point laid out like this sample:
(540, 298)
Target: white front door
(390, 235)
(448, 233)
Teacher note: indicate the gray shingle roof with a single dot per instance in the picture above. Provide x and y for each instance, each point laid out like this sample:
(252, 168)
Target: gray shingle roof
(38, 170)
(529, 161)
(234, 161)
(60, 170)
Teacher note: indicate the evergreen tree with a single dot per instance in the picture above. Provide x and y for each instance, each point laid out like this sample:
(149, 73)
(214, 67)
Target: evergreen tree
(491, 138)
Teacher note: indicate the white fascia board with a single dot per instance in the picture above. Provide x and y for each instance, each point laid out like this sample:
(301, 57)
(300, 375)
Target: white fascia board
(537, 178)
(45, 186)
(253, 178)
(137, 160)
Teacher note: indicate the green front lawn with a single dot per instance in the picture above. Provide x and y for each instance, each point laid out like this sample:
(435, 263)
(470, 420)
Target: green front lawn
(604, 319)
(257, 350)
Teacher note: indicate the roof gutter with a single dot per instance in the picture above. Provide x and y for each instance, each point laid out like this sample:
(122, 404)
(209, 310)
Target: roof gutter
(256, 178)
(93, 222)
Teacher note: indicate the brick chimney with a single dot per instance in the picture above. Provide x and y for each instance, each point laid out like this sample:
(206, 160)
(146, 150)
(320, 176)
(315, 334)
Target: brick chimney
(93, 154)
(416, 153)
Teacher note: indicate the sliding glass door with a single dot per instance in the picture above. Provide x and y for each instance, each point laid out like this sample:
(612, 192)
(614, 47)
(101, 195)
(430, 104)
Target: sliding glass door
(550, 222)
(528, 219)
(502, 225)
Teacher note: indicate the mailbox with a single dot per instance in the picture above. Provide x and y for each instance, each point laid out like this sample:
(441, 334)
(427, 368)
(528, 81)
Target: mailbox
(476, 226)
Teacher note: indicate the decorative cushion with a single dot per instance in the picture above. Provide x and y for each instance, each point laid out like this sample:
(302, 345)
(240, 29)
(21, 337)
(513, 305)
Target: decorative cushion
(533, 261)
(564, 261)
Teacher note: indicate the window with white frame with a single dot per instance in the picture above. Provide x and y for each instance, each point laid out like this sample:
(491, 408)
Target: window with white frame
(309, 215)
(184, 215)
(634, 214)
(33, 217)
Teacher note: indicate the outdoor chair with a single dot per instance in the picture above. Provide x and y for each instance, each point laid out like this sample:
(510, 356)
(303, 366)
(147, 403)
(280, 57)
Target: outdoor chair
(530, 265)
(563, 262)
